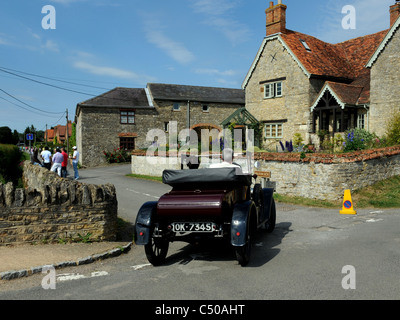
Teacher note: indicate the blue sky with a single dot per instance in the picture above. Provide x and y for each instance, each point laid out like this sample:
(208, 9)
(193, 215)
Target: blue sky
(98, 45)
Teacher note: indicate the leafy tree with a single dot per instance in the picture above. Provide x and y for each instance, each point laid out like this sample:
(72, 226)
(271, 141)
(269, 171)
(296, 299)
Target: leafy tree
(6, 135)
(393, 129)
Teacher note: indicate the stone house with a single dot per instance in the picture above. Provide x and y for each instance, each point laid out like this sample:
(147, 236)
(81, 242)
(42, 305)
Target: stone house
(300, 84)
(122, 117)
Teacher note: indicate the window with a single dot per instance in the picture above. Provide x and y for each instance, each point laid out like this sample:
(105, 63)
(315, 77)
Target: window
(127, 117)
(278, 89)
(166, 126)
(361, 120)
(127, 143)
(273, 130)
(273, 90)
(176, 107)
(306, 46)
(205, 108)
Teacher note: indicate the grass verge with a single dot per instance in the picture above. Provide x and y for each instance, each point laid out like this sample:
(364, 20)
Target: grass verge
(144, 177)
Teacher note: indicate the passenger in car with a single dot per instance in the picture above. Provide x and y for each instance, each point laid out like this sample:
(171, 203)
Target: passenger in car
(227, 160)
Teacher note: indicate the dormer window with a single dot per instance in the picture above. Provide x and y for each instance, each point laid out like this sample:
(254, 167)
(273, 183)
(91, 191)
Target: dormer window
(306, 46)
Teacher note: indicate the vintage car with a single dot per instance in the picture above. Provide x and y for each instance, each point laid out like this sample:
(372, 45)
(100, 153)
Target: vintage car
(206, 204)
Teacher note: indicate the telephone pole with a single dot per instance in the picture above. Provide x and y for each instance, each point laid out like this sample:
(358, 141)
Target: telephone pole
(67, 134)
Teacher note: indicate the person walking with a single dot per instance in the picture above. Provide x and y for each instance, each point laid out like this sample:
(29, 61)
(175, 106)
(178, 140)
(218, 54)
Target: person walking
(46, 156)
(64, 164)
(75, 160)
(58, 158)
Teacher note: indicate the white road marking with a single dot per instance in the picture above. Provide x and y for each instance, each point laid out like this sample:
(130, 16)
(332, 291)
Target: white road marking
(77, 276)
(374, 220)
(140, 266)
(142, 194)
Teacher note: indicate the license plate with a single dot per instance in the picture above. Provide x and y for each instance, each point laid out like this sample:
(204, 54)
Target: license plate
(193, 227)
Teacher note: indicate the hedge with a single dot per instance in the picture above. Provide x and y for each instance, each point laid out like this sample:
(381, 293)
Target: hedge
(10, 160)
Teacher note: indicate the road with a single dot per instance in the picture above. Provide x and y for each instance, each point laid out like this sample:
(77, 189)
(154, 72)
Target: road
(313, 254)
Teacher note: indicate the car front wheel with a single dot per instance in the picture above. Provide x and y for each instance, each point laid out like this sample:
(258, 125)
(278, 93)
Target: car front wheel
(243, 252)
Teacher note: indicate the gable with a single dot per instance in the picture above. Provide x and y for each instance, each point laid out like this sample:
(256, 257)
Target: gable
(260, 52)
(344, 94)
(389, 35)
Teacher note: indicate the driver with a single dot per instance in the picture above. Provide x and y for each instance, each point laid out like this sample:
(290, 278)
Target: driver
(227, 160)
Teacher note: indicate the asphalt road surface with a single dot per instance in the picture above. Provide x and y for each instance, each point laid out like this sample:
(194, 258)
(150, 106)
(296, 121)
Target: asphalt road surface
(313, 254)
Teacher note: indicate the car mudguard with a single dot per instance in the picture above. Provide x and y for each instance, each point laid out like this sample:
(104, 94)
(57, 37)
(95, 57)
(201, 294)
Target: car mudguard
(268, 194)
(239, 223)
(144, 220)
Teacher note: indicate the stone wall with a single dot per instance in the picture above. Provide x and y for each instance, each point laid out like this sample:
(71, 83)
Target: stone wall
(317, 176)
(50, 208)
(385, 86)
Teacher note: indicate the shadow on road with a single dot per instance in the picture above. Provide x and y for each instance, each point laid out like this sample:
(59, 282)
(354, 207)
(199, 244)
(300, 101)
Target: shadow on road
(263, 250)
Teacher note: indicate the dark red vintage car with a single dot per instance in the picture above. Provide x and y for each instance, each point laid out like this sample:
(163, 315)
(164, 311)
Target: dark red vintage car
(204, 204)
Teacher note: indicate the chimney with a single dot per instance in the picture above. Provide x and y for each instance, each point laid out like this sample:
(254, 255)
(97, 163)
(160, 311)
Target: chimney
(276, 18)
(394, 13)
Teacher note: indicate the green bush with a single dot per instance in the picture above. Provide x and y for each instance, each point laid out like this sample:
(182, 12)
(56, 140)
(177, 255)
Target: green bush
(10, 164)
(393, 130)
(358, 139)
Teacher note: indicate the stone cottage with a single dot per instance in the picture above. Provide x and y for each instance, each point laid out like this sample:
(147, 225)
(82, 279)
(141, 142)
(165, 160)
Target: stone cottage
(300, 84)
(122, 117)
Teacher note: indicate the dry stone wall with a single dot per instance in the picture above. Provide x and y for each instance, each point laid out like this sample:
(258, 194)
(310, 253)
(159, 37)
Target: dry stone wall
(51, 208)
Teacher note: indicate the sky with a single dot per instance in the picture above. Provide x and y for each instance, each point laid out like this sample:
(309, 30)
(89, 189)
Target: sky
(51, 60)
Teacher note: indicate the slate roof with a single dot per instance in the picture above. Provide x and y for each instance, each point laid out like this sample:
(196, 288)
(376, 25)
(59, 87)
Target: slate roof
(120, 97)
(173, 92)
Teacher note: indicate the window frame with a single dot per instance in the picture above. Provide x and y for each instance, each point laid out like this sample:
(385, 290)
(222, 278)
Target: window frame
(268, 133)
(123, 141)
(361, 120)
(176, 104)
(130, 114)
(272, 89)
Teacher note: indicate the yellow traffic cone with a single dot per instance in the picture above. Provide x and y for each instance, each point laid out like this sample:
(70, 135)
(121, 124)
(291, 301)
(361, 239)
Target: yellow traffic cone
(347, 204)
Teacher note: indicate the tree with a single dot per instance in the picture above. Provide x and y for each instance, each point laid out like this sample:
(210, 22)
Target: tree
(393, 129)
(6, 136)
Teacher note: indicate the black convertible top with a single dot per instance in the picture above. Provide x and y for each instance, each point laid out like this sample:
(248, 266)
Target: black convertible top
(209, 175)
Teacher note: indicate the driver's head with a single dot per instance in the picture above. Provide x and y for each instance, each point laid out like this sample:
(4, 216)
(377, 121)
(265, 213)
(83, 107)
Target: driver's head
(227, 155)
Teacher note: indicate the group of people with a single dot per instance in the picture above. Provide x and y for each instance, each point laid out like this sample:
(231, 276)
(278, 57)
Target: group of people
(57, 162)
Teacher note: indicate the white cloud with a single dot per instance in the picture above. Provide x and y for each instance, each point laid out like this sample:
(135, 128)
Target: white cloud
(51, 45)
(371, 16)
(218, 14)
(111, 72)
(155, 35)
(66, 2)
(214, 7)
(217, 72)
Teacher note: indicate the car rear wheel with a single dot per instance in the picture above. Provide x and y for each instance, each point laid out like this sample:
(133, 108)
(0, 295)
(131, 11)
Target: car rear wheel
(270, 224)
(156, 250)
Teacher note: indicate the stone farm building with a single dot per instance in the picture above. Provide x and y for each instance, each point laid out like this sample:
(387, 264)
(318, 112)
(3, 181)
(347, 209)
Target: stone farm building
(122, 117)
(299, 84)
(296, 84)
